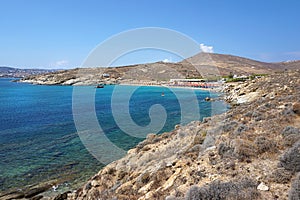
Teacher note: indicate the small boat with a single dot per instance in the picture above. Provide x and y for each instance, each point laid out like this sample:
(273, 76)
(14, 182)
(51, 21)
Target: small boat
(100, 86)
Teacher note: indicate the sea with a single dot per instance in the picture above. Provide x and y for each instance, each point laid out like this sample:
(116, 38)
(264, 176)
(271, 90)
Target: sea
(39, 140)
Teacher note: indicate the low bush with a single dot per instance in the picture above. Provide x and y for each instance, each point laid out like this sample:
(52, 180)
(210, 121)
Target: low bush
(240, 129)
(281, 176)
(290, 160)
(265, 145)
(257, 116)
(229, 126)
(290, 140)
(240, 189)
(244, 149)
(294, 193)
(287, 112)
(224, 150)
(289, 130)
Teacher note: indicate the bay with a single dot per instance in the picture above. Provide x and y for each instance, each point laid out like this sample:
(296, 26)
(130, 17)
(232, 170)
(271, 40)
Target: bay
(38, 136)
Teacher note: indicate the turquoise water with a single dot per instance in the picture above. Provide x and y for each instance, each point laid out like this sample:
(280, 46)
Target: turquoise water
(38, 139)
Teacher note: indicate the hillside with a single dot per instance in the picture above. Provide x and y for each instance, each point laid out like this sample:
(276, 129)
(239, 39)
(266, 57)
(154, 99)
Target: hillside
(208, 64)
(19, 73)
(230, 64)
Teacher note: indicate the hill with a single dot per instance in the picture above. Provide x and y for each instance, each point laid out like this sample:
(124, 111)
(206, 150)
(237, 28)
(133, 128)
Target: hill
(201, 65)
(20, 73)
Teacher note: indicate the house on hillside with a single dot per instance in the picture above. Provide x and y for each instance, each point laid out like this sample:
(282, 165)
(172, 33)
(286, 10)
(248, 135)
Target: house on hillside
(105, 75)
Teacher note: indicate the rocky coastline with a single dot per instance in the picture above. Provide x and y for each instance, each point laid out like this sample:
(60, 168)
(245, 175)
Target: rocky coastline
(250, 152)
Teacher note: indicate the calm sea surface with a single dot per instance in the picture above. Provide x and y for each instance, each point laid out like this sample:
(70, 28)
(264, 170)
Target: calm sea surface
(38, 137)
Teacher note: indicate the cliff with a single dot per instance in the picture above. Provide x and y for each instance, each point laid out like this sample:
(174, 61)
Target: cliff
(250, 152)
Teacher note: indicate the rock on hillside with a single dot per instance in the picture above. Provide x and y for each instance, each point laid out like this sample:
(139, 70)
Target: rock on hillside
(250, 152)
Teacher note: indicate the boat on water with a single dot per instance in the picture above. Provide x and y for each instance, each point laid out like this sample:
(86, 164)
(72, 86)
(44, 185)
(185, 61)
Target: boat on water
(100, 86)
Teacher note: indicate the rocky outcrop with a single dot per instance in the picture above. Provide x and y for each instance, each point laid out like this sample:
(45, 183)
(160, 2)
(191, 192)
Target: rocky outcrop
(250, 152)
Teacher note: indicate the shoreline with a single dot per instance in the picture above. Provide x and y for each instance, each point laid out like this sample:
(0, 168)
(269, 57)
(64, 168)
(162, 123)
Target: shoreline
(50, 193)
(216, 89)
(215, 153)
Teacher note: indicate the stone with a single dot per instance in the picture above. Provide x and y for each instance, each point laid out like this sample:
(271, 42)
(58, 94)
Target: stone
(62, 196)
(94, 183)
(262, 187)
(151, 136)
(36, 190)
(36, 197)
(13, 195)
(171, 180)
(146, 188)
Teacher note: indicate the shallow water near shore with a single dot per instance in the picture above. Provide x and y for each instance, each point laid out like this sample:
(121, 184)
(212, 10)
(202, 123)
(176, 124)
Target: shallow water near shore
(39, 140)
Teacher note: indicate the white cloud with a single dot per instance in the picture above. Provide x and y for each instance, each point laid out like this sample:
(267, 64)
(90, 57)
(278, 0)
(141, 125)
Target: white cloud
(167, 60)
(206, 49)
(61, 63)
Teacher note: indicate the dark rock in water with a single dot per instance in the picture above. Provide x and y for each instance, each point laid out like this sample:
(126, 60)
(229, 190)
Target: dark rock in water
(31, 192)
(70, 165)
(36, 197)
(12, 195)
(207, 99)
(62, 196)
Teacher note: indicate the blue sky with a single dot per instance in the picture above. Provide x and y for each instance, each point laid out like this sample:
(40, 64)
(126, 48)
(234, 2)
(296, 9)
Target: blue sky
(61, 33)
